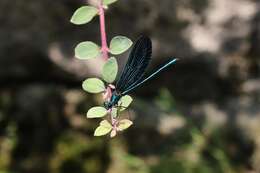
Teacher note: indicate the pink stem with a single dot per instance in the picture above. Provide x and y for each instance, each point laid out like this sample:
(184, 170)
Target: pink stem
(104, 47)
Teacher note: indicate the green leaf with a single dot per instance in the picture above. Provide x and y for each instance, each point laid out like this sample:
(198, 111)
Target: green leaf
(84, 15)
(107, 2)
(104, 128)
(87, 50)
(110, 70)
(93, 85)
(124, 102)
(124, 124)
(105, 123)
(96, 112)
(120, 44)
(101, 131)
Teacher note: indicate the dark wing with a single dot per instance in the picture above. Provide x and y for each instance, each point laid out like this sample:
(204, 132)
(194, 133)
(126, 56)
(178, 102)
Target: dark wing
(136, 64)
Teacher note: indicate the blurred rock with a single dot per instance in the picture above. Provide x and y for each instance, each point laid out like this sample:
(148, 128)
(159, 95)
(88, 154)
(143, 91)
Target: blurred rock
(38, 114)
(215, 86)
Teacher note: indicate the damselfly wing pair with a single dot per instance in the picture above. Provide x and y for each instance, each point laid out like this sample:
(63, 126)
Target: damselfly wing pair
(132, 75)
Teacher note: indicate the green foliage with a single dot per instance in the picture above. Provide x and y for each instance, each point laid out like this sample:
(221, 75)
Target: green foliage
(124, 124)
(108, 2)
(165, 100)
(104, 128)
(202, 152)
(87, 50)
(120, 44)
(124, 162)
(84, 15)
(69, 152)
(110, 69)
(93, 85)
(7, 144)
(96, 112)
(125, 102)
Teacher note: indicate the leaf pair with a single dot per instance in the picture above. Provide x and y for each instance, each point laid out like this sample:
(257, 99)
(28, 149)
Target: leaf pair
(100, 112)
(109, 72)
(89, 50)
(105, 127)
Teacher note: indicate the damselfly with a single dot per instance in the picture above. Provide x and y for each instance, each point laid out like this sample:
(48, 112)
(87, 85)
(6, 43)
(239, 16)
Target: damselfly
(133, 72)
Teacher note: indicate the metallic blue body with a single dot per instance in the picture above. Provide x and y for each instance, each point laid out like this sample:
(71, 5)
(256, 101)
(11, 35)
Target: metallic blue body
(113, 101)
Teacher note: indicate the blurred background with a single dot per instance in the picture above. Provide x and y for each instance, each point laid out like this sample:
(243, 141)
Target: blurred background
(200, 116)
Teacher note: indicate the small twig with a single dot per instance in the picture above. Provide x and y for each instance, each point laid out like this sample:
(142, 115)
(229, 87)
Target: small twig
(104, 47)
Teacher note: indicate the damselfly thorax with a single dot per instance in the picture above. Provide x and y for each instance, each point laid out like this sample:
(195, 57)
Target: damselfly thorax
(113, 100)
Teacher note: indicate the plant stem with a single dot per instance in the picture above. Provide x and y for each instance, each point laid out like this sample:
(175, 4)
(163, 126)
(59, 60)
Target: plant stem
(104, 47)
